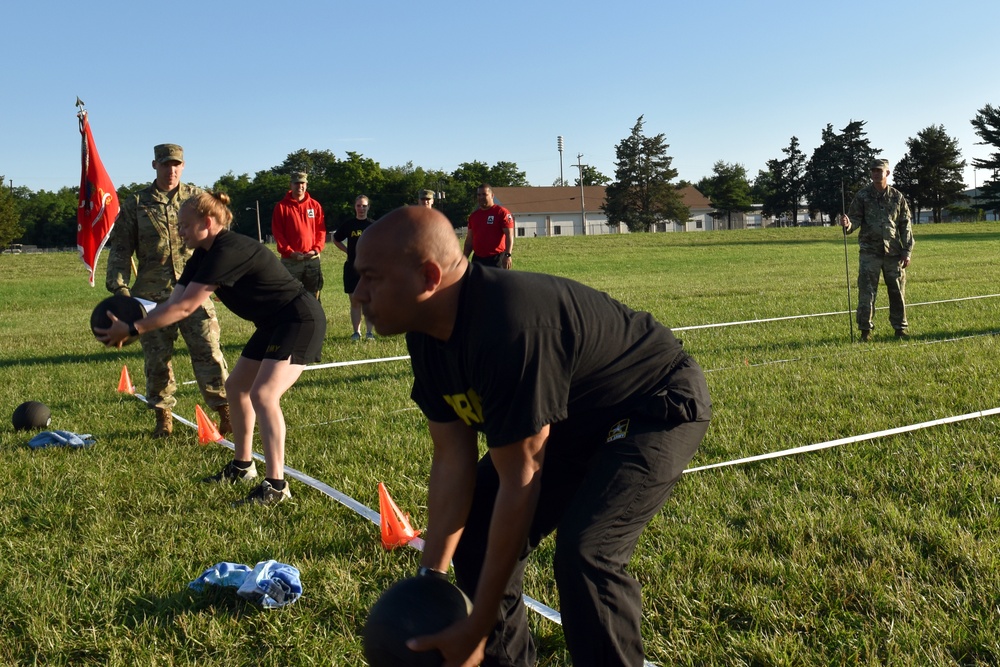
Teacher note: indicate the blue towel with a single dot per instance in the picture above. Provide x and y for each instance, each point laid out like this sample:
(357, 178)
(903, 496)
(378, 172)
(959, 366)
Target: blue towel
(61, 439)
(221, 574)
(270, 583)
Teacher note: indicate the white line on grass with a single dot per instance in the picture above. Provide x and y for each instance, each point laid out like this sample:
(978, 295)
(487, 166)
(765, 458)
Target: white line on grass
(747, 364)
(840, 312)
(851, 439)
(338, 364)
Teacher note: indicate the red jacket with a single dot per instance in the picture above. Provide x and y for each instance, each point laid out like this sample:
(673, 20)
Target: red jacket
(298, 226)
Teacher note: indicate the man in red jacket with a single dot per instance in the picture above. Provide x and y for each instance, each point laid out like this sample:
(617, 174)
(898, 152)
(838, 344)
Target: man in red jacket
(300, 233)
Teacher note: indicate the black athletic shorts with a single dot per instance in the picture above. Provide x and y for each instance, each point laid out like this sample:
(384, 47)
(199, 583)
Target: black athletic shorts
(492, 260)
(351, 278)
(296, 331)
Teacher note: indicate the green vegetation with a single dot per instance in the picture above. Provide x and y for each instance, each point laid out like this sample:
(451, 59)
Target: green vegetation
(883, 552)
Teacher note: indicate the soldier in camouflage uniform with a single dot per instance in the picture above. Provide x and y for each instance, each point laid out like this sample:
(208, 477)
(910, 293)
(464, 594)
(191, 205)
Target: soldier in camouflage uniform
(147, 228)
(886, 241)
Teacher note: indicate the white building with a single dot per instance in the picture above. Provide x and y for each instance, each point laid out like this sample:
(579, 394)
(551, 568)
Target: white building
(568, 211)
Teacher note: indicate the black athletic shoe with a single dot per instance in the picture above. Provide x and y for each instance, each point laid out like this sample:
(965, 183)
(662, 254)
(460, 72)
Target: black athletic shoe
(901, 334)
(265, 494)
(232, 473)
(866, 335)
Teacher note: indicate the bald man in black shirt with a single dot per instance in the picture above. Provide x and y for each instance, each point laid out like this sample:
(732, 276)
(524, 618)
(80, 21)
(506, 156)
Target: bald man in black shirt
(590, 412)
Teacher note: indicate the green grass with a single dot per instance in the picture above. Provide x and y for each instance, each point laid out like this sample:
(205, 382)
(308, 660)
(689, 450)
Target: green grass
(881, 552)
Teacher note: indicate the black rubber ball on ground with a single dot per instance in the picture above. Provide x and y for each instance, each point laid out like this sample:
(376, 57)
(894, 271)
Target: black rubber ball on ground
(410, 608)
(125, 308)
(31, 415)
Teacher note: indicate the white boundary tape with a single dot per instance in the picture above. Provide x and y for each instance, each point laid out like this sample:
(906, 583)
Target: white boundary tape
(338, 364)
(852, 439)
(773, 362)
(840, 312)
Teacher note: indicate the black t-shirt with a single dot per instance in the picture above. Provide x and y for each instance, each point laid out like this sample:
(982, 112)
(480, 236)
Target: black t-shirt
(351, 230)
(251, 280)
(530, 349)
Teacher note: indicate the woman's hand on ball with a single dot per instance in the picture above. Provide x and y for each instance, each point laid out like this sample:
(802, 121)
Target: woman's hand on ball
(115, 335)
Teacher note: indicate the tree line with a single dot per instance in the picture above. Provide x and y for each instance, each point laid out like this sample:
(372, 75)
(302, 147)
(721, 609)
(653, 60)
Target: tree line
(48, 219)
(642, 193)
(929, 175)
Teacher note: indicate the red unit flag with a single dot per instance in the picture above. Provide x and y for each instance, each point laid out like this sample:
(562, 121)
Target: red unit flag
(98, 207)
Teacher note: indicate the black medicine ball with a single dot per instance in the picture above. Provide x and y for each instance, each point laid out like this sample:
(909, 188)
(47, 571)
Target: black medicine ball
(31, 415)
(410, 608)
(125, 308)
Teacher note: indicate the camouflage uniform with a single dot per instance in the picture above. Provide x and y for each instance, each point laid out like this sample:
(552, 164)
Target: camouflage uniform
(885, 240)
(147, 227)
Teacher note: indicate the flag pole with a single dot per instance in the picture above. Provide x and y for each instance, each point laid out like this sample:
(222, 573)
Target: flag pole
(98, 204)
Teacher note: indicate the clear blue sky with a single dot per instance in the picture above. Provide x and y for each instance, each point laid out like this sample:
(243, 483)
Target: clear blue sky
(242, 84)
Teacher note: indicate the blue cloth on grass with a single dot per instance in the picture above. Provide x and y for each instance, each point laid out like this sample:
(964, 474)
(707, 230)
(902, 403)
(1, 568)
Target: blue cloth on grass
(270, 583)
(221, 574)
(61, 439)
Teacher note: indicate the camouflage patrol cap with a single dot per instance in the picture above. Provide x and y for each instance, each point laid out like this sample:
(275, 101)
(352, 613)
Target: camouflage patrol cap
(880, 164)
(426, 194)
(167, 152)
(300, 177)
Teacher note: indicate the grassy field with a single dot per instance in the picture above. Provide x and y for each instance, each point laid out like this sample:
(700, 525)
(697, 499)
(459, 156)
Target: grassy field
(883, 552)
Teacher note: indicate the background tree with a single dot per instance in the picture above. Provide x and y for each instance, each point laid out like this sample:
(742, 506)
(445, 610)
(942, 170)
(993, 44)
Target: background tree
(10, 217)
(987, 126)
(317, 164)
(49, 218)
(460, 190)
(248, 196)
(591, 177)
(904, 179)
(346, 179)
(762, 188)
(728, 190)
(932, 171)
(838, 168)
(786, 185)
(402, 184)
(642, 194)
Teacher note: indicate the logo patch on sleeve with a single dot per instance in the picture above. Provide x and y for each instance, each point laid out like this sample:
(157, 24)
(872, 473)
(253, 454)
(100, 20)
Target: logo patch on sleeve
(618, 431)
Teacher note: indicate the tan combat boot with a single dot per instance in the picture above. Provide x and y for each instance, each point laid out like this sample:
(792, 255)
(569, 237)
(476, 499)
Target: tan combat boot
(225, 426)
(164, 423)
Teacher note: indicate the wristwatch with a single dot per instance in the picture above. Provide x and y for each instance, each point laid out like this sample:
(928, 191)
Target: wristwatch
(506, 254)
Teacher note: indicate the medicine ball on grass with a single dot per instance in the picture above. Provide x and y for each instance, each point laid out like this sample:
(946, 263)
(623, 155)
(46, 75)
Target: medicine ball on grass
(125, 308)
(31, 415)
(411, 608)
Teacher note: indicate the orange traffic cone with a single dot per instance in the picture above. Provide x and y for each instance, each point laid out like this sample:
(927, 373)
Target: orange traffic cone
(125, 385)
(207, 431)
(396, 529)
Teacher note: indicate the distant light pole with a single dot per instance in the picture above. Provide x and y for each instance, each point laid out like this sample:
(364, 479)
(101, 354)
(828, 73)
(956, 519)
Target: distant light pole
(260, 239)
(559, 143)
(583, 205)
(441, 197)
